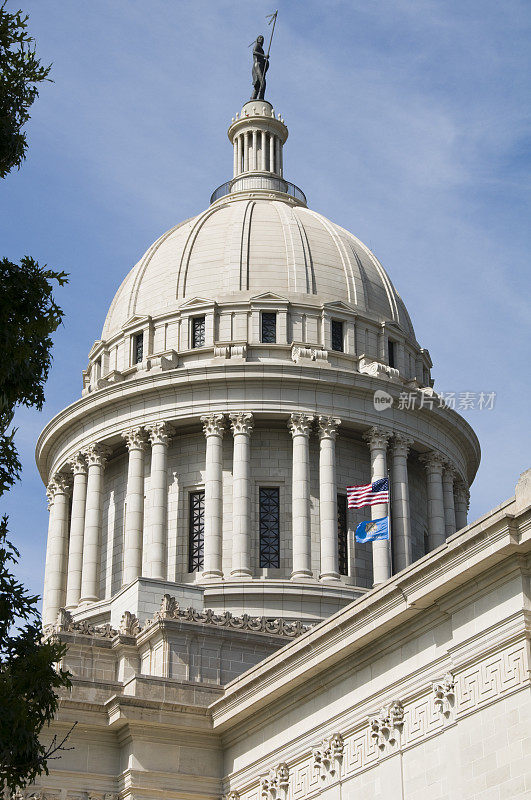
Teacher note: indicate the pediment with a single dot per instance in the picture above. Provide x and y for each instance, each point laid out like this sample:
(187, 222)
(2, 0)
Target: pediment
(135, 321)
(339, 305)
(269, 296)
(196, 302)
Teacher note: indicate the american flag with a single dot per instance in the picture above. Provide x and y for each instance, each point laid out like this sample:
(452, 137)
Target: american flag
(368, 495)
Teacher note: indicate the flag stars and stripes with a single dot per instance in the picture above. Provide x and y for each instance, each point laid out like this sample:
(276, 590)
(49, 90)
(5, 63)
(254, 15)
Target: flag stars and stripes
(369, 494)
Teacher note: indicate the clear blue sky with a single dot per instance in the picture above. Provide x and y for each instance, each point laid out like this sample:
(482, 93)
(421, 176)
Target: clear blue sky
(409, 125)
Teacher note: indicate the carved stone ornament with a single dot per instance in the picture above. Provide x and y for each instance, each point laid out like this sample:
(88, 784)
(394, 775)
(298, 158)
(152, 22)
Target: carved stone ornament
(327, 758)
(135, 438)
(61, 483)
(67, 624)
(400, 445)
(300, 424)
(275, 785)
(78, 464)
(444, 694)
(241, 422)
(376, 369)
(231, 796)
(433, 462)
(160, 433)
(328, 427)
(299, 354)
(386, 727)
(377, 438)
(129, 625)
(97, 454)
(213, 424)
(170, 610)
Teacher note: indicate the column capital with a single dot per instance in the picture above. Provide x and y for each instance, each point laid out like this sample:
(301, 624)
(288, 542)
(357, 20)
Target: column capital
(434, 462)
(449, 472)
(97, 454)
(377, 438)
(241, 422)
(300, 424)
(461, 489)
(213, 424)
(78, 464)
(327, 427)
(135, 438)
(401, 444)
(61, 483)
(160, 432)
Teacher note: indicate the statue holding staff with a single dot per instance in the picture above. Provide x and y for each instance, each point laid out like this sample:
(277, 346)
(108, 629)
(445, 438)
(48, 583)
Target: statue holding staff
(261, 61)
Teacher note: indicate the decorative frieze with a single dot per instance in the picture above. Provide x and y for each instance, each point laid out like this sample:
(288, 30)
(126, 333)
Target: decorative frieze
(275, 785)
(170, 610)
(444, 694)
(66, 624)
(328, 757)
(304, 354)
(387, 726)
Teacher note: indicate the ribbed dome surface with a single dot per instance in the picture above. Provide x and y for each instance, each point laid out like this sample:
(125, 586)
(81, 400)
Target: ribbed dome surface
(249, 246)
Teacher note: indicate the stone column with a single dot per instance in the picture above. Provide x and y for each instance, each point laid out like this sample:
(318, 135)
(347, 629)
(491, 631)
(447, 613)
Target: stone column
(300, 427)
(448, 499)
(246, 151)
(328, 498)
(159, 436)
(77, 530)
(96, 455)
(377, 439)
(242, 425)
(213, 428)
(436, 528)
(235, 163)
(239, 156)
(400, 512)
(254, 160)
(56, 549)
(462, 499)
(134, 504)
(271, 153)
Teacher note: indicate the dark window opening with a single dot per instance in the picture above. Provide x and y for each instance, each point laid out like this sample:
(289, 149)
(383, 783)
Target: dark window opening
(391, 353)
(198, 332)
(342, 534)
(269, 504)
(138, 348)
(196, 531)
(337, 335)
(426, 542)
(269, 327)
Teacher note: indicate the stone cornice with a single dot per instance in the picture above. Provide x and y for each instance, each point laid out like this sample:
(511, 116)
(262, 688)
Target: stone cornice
(470, 552)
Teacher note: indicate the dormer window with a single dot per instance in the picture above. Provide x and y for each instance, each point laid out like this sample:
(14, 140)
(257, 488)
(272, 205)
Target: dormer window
(269, 327)
(198, 332)
(138, 348)
(337, 335)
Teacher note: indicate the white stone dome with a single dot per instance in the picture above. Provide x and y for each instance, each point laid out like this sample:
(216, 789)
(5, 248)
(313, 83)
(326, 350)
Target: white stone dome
(243, 246)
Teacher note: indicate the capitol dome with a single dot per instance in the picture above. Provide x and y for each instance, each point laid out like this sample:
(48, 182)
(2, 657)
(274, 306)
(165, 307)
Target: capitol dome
(247, 245)
(253, 365)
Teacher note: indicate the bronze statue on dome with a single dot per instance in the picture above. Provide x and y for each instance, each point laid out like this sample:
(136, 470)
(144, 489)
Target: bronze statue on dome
(261, 61)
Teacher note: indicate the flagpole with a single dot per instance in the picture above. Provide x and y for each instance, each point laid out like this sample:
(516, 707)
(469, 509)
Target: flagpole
(389, 514)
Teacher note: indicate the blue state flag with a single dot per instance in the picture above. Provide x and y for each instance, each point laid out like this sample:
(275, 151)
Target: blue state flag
(372, 529)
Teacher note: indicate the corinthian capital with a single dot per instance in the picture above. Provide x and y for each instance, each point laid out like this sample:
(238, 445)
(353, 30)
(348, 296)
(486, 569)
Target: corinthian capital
(212, 424)
(401, 444)
(61, 483)
(135, 438)
(328, 427)
(377, 438)
(78, 464)
(241, 422)
(433, 461)
(160, 433)
(97, 454)
(300, 424)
